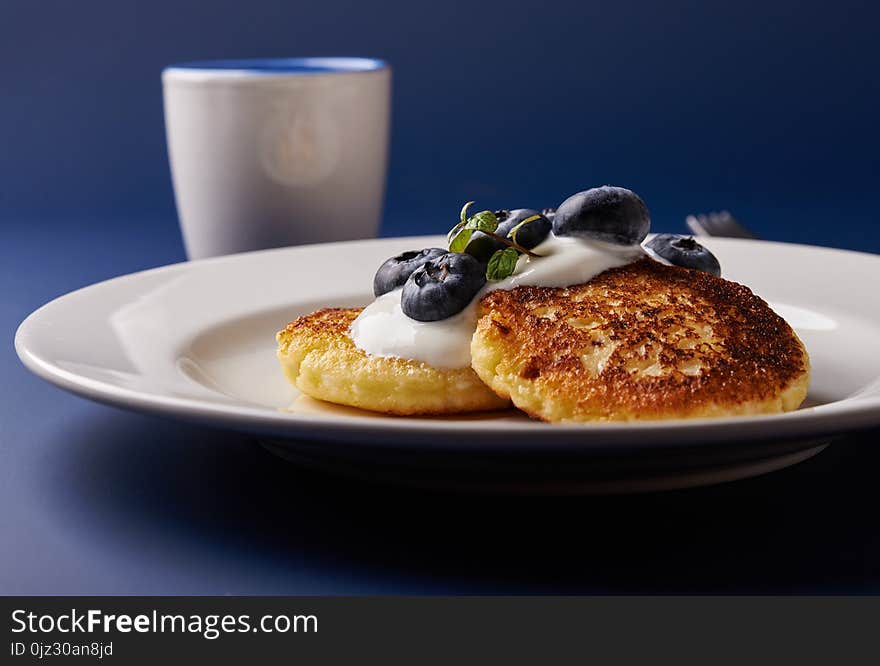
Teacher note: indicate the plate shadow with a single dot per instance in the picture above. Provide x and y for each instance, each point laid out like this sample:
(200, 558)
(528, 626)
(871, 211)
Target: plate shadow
(803, 529)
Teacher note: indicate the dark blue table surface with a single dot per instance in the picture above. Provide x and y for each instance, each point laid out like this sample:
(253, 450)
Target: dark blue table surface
(94, 500)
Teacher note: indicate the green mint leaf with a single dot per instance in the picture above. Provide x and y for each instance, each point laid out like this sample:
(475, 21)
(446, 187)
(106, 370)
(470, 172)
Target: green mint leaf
(502, 264)
(485, 220)
(459, 243)
(512, 234)
(464, 209)
(451, 234)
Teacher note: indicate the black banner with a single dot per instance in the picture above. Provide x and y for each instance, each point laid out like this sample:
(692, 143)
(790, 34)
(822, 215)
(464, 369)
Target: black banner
(416, 630)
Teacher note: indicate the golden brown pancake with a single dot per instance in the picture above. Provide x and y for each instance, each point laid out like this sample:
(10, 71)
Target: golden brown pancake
(320, 359)
(642, 341)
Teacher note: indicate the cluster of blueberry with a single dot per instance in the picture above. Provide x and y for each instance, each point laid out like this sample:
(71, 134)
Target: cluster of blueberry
(437, 283)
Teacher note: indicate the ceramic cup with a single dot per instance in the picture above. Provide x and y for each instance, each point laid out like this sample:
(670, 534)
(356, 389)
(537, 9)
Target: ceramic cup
(268, 153)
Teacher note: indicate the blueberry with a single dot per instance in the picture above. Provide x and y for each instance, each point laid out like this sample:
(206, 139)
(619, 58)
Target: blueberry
(684, 251)
(394, 272)
(442, 287)
(482, 246)
(611, 214)
(531, 234)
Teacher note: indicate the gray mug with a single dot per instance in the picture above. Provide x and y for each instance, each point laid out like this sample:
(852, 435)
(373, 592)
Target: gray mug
(268, 153)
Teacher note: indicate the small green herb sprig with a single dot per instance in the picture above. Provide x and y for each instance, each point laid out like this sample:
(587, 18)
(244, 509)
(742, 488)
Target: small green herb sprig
(503, 262)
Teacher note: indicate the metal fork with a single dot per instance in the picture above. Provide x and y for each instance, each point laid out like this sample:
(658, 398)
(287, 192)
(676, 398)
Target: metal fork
(718, 224)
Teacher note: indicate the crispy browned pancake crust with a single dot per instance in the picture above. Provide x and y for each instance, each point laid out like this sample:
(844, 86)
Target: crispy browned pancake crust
(643, 341)
(319, 357)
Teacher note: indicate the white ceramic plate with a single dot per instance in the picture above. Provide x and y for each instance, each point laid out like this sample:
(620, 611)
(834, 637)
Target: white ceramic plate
(196, 341)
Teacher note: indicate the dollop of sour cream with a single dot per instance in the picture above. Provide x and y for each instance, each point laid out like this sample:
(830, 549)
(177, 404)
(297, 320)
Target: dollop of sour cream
(382, 329)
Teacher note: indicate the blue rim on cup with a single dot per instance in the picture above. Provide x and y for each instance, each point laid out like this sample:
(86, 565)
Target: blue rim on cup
(279, 66)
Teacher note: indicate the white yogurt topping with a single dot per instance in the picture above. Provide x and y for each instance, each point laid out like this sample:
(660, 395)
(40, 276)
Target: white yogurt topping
(382, 329)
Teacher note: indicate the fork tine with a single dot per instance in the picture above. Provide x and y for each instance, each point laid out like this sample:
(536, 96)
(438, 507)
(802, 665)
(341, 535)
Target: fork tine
(696, 224)
(717, 224)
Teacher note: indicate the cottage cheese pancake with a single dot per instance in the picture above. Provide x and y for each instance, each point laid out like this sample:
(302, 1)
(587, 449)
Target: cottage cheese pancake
(320, 359)
(641, 341)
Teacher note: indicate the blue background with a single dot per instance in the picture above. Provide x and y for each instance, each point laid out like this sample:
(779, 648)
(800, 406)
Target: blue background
(767, 109)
